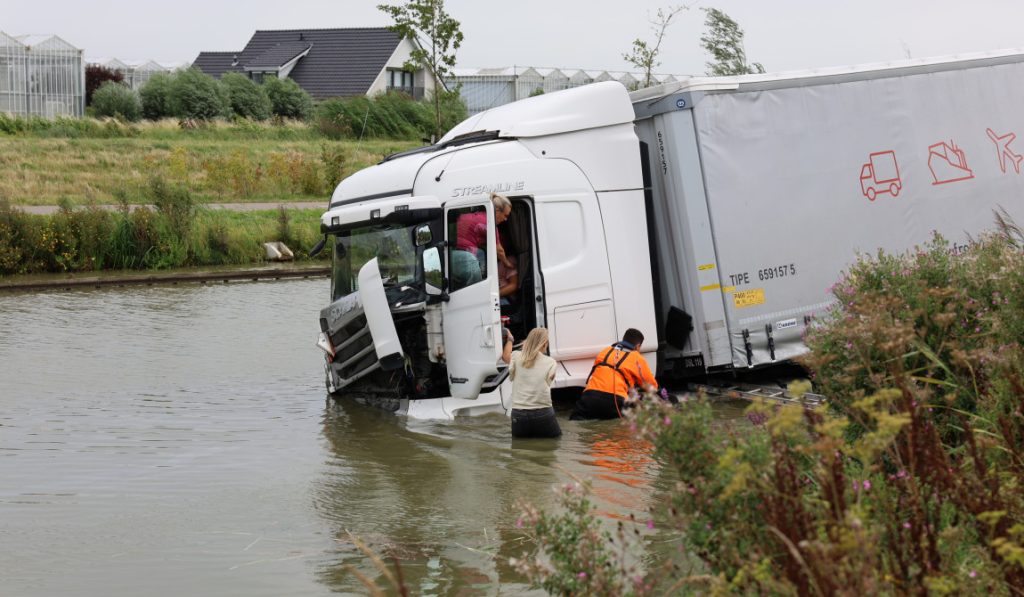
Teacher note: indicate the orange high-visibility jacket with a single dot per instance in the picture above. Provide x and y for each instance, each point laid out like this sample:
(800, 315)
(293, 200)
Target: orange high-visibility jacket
(616, 370)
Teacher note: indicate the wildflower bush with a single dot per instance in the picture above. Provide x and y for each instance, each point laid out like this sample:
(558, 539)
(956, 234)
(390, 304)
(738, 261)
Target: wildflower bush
(911, 481)
(580, 556)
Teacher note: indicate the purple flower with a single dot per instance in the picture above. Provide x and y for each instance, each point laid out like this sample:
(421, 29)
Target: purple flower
(519, 523)
(867, 485)
(581, 575)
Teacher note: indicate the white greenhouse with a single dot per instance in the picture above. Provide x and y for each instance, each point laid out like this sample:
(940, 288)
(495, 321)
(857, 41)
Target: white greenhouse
(485, 88)
(135, 74)
(41, 75)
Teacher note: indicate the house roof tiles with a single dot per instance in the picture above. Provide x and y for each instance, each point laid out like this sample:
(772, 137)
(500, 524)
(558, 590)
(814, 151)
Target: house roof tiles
(340, 62)
(278, 55)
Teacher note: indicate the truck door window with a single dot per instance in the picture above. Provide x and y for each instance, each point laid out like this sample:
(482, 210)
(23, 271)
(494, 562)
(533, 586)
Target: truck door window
(467, 246)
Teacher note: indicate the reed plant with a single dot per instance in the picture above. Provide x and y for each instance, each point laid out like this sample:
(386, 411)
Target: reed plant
(177, 233)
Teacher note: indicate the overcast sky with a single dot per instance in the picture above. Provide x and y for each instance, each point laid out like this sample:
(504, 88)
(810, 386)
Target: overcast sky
(592, 34)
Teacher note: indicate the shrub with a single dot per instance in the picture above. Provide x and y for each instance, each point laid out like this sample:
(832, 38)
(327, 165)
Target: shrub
(175, 204)
(117, 101)
(391, 115)
(247, 99)
(385, 116)
(332, 119)
(195, 94)
(156, 97)
(453, 110)
(287, 99)
(334, 158)
(96, 76)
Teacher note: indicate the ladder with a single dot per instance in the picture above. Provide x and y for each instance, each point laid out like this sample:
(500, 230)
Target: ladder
(747, 391)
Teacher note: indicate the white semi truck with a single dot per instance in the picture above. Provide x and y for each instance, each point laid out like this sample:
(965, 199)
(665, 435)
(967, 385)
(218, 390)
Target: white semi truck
(712, 214)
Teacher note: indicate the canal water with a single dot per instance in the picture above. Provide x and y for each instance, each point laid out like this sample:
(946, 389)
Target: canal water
(177, 440)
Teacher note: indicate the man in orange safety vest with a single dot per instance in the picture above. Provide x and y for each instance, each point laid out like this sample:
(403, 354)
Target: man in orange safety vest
(617, 369)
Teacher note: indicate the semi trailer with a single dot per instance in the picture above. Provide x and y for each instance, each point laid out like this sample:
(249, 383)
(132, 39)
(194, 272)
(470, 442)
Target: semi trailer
(712, 214)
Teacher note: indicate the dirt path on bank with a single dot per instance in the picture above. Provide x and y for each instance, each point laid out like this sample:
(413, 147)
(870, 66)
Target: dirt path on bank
(50, 209)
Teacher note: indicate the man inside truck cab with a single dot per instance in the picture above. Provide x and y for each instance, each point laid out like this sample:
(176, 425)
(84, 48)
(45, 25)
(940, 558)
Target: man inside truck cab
(471, 231)
(617, 370)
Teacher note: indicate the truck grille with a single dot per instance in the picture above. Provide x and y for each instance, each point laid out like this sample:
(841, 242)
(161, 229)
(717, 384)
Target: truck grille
(354, 354)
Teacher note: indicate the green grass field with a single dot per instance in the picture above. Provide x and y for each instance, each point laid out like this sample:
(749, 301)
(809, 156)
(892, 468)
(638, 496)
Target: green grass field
(222, 162)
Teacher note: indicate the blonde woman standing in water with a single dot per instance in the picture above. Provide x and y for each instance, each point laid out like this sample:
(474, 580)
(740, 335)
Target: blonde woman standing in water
(532, 374)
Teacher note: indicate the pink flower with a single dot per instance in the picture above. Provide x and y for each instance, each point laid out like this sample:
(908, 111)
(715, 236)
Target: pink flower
(650, 524)
(519, 523)
(581, 575)
(906, 525)
(667, 421)
(866, 485)
(972, 574)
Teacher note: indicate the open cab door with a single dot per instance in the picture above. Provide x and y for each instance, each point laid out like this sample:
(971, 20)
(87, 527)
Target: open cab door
(472, 313)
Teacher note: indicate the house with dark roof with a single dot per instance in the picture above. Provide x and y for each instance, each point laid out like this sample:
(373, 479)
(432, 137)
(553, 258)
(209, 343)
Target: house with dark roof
(326, 62)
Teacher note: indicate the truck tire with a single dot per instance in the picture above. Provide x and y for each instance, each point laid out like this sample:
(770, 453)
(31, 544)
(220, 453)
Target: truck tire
(894, 189)
(871, 193)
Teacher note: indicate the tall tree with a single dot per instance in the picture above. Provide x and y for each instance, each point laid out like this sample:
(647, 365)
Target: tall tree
(644, 56)
(724, 41)
(437, 36)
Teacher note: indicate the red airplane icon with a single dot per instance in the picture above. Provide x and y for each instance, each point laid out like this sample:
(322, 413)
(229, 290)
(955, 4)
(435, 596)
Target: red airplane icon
(1003, 147)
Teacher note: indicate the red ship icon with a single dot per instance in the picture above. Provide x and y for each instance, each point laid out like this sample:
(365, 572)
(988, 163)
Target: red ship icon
(1004, 151)
(948, 163)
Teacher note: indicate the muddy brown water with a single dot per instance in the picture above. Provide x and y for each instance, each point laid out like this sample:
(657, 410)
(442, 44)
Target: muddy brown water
(177, 440)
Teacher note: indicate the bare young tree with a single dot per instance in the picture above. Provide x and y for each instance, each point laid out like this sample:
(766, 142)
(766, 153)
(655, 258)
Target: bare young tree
(644, 55)
(437, 36)
(724, 41)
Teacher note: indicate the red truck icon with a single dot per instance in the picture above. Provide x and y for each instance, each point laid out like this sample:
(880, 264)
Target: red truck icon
(880, 175)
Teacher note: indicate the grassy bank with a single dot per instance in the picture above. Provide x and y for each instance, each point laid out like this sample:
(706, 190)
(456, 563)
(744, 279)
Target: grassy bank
(178, 233)
(92, 161)
(910, 483)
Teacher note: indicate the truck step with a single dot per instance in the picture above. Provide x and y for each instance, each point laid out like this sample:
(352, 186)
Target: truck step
(745, 391)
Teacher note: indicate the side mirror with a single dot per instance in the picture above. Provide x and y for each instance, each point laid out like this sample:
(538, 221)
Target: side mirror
(423, 235)
(319, 247)
(433, 278)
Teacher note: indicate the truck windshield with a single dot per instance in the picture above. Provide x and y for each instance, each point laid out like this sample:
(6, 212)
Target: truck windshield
(391, 244)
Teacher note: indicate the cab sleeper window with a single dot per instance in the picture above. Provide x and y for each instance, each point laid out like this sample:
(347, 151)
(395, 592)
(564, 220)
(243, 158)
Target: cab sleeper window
(467, 242)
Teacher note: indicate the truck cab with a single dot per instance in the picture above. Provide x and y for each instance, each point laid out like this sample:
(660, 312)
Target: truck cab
(414, 321)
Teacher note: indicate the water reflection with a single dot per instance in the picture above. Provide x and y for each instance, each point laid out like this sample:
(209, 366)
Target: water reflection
(436, 496)
(441, 497)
